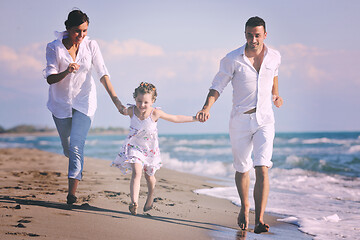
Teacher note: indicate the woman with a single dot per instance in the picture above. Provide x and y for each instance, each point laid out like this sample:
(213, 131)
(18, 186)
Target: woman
(72, 93)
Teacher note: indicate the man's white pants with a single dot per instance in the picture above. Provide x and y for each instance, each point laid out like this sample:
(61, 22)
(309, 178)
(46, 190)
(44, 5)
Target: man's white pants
(248, 139)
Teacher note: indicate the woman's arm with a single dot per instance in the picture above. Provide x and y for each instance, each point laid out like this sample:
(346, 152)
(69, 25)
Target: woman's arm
(173, 118)
(105, 80)
(54, 78)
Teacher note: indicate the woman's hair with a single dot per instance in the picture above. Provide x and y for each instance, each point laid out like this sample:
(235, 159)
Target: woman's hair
(76, 18)
(144, 88)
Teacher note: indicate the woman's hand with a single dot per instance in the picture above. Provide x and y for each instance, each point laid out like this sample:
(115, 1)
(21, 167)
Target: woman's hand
(123, 110)
(73, 67)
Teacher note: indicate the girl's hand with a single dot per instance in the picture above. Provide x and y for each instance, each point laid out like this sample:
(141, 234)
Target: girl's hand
(124, 110)
(73, 67)
(203, 115)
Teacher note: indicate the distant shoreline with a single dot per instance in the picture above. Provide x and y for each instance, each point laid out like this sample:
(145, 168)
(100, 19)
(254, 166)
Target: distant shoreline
(30, 130)
(55, 133)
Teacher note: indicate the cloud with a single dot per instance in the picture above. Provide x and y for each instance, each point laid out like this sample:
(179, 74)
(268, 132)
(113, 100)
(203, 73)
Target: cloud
(128, 48)
(21, 71)
(23, 61)
(317, 66)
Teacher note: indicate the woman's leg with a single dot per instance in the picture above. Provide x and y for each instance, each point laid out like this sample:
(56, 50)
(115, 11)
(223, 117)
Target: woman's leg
(63, 127)
(79, 130)
(151, 181)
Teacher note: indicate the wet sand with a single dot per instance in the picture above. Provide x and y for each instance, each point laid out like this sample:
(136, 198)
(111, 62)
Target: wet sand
(33, 189)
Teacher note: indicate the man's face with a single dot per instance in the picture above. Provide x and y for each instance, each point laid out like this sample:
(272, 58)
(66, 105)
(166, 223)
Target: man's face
(255, 37)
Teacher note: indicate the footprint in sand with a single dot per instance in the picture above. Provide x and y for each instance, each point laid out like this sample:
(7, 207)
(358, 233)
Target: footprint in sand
(23, 234)
(24, 221)
(20, 225)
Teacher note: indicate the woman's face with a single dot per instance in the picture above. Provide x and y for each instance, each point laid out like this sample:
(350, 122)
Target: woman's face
(78, 33)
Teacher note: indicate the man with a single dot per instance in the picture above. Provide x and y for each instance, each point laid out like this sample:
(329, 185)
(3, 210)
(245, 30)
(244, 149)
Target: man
(253, 72)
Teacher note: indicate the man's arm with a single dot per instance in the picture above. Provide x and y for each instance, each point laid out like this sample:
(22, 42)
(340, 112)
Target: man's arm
(204, 113)
(278, 101)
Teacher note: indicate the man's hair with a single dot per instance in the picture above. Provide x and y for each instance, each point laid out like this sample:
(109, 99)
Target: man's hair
(255, 22)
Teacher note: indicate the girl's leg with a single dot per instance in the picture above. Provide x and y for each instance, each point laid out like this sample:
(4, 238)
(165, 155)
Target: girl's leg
(135, 182)
(151, 181)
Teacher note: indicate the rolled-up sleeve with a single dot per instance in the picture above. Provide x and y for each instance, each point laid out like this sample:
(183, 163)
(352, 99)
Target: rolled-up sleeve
(52, 66)
(224, 76)
(97, 60)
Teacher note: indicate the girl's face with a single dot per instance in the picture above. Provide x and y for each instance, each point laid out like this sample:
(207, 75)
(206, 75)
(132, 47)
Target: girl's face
(78, 33)
(144, 102)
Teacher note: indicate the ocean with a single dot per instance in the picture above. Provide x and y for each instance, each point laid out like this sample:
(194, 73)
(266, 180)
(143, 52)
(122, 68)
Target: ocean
(314, 183)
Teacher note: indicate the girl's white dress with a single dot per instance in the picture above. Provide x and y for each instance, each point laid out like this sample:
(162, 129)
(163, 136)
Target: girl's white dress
(141, 146)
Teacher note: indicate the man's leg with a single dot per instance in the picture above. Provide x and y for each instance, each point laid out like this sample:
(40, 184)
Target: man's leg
(261, 193)
(242, 146)
(263, 148)
(242, 181)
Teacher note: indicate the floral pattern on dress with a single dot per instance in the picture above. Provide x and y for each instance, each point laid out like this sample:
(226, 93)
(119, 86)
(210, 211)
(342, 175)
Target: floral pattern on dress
(141, 146)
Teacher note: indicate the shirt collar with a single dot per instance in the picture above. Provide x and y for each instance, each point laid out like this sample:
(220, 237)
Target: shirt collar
(61, 35)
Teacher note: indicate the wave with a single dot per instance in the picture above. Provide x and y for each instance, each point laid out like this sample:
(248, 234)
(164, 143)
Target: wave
(323, 140)
(195, 142)
(332, 202)
(204, 152)
(203, 167)
(354, 149)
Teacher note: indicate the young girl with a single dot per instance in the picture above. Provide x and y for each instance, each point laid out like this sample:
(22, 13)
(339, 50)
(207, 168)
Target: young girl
(141, 148)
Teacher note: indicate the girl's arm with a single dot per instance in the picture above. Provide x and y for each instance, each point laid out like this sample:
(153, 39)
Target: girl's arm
(173, 118)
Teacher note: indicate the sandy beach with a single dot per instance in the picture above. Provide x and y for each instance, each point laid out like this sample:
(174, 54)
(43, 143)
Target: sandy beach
(33, 187)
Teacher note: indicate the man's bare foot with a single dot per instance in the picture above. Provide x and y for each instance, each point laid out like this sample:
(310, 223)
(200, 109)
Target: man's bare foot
(243, 219)
(261, 227)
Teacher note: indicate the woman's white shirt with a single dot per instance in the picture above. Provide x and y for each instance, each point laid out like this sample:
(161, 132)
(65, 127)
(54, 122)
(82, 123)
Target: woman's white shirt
(77, 90)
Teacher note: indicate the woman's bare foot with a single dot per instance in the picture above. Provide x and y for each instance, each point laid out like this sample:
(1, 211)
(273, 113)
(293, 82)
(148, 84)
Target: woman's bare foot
(261, 227)
(133, 208)
(243, 219)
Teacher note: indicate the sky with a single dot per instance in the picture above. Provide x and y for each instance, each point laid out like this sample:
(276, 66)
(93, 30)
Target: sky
(177, 45)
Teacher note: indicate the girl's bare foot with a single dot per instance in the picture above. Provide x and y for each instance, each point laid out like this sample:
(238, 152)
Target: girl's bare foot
(133, 208)
(243, 219)
(147, 206)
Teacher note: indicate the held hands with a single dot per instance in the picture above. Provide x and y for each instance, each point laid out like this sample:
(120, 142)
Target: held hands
(278, 101)
(123, 110)
(73, 67)
(203, 115)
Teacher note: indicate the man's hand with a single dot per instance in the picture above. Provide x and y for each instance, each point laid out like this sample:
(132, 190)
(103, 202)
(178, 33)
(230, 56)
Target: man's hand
(203, 115)
(278, 101)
